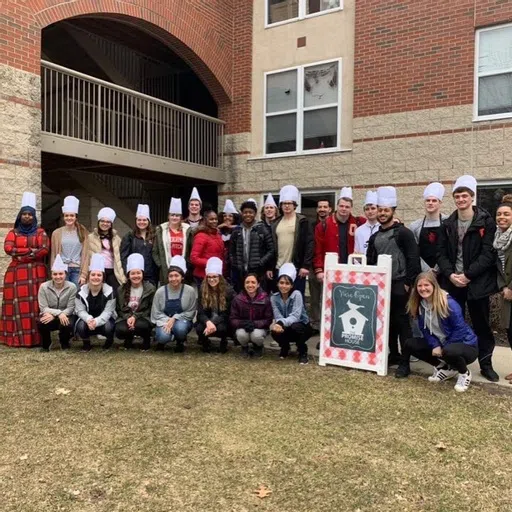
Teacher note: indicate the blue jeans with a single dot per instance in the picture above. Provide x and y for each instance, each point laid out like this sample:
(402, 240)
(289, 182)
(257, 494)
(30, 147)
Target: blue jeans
(74, 275)
(179, 332)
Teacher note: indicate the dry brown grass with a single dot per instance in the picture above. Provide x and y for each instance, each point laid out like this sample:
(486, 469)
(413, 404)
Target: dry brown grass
(194, 432)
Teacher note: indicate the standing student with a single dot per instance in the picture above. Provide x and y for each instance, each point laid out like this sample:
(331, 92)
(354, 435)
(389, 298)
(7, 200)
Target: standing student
(134, 301)
(292, 234)
(365, 231)
(503, 245)
(426, 230)
(56, 299)
(140, 241)
(269, 212)
(214, 305)
(467, 265)
(104, 240)
(172, 238)
(71, 241)
(228, 220)
(394, 239)
(95, 306)
(174, 307)
(291, 322)
(28, 246)
(194, 219)
(448, 343)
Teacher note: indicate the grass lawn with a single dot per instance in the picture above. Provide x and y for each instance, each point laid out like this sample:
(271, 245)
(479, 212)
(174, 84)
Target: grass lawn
(195, 432)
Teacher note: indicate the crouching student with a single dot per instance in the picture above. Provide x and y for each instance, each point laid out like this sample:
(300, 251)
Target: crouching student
(134, 300)
(251, 316)
(448, 343)
(291, 322)
(215, 297)
(56, 305)
(174, 307)
(95, 306)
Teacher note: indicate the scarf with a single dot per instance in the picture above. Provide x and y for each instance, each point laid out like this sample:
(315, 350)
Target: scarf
(20, 228)
(502, 239)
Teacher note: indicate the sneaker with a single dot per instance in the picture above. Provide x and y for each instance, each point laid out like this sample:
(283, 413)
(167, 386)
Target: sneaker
(442, 373)
(403, 371)
(463, 382)
(489, 373)
(303, 359)
(413, 359)
(274, 344)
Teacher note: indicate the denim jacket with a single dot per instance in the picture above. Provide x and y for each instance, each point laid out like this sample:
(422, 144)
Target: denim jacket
(291, 311)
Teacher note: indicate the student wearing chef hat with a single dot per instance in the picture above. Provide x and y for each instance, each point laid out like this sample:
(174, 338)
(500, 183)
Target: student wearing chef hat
(269, 212)
(28, 245)
(104, 240)
(397, 241)
(56, 299)
(71, 241)
(95, 306)
(467, 265)
(134, 300)
(195, 204)
(364, 232)
(140, 240)
(228, 220)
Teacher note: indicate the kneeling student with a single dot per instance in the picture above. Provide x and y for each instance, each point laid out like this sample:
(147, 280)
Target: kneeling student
(56, 304)
(449, 344)
(134, 300)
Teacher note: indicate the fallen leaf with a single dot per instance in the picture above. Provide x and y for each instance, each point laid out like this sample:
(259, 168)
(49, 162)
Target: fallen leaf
(262, 491)
(441, 446)
(62, 391)
(24, 457)
(75, 493)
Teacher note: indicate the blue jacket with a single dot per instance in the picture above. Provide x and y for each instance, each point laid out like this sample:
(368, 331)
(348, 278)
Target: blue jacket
(291, 312)
(454, 326)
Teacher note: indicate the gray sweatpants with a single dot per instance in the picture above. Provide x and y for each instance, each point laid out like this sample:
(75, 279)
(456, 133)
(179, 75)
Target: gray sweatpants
(257, 337)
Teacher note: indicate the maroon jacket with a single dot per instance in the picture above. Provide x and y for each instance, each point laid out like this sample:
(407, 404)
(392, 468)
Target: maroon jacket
(257, 310)
(327, 238)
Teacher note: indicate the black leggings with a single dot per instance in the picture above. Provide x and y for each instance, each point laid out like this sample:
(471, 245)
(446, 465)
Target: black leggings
(111, 280)
(456, 355)
(65, 332)
(298, 333)
(142, 328)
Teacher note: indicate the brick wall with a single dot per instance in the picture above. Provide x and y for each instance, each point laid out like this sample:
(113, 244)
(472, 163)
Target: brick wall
(413, 55)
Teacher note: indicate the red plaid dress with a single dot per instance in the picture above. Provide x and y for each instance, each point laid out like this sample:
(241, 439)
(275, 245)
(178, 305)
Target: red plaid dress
(24, 276)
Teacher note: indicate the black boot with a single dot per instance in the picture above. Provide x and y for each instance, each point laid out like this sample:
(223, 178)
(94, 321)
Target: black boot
(204, 341)
(108, 344)
(258, 351)
(403, 371)
(146, 344)
(87, 346)
(489, 373)
(180, 347)
(128, 343)
(223, 347)
(245, 351)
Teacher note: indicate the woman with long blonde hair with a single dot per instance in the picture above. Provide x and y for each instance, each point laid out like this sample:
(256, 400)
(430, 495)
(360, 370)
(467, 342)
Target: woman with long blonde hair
(448, 343)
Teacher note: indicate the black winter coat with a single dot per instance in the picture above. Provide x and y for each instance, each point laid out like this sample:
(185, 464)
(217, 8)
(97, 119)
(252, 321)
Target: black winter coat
(478, 254)
(261, 249)
(217, 317)
(304, 242)
(130, 244)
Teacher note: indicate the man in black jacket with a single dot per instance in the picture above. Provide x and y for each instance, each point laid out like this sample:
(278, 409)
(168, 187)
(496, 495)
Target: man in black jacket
(394, 239)
(251, 247)
(467, 265)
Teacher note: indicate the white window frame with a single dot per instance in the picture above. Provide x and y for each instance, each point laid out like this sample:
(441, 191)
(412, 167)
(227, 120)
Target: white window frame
(300, 109)
(302, 13)
(477, 76)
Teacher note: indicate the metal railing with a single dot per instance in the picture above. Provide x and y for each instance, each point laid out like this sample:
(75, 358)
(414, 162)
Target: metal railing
(86, 108)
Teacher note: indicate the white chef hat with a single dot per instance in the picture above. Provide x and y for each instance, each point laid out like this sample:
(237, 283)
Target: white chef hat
(135, 262)
(467, 181)
(71, 204)
(175, 206)
(386, 196)
(252, 200)
(270, 201)
(345, 192)
(143, 211)
(371, 198)
(289, 193)
(434, 190)
(97, 263)
(28, 199)
(107, 213)
(214, 266)
(229, 207)
(59, 265)
(289, 270)
(195, 195)
(178, 262)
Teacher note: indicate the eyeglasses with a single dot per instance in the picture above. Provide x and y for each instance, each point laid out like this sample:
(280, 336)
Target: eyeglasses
(212, 278)
(287, 203)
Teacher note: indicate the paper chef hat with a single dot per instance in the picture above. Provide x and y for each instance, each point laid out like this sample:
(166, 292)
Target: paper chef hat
(467, 181)
(143, 211)
(289, 270)
(434, 190)
(180, 263)
(270, 201)
(289, 193)
(59, 265)
(28, 199)
(214, 266)
(97, 263)
(135, 262)
(175, 206)
(371, 198)
(253, 201)
(386, 196)
(71, 204)
(107, 213)
(229, 207)
(345, 192)
(195, 195)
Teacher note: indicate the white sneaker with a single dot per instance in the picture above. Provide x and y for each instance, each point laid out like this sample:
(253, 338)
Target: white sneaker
(463, 382)
(442, 373)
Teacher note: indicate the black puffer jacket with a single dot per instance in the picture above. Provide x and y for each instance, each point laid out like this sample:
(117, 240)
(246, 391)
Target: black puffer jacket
(217, 317)
(303, 244)
(478, 253)
(261, 249)
(130, 244)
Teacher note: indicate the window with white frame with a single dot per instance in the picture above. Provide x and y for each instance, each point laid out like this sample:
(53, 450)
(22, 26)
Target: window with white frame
(493, 81)
(302, 109)
(287, 10)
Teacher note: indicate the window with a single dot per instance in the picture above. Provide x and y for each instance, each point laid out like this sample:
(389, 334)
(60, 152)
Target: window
(489, 196)
(302, 109)
(307, 201)
(493, 75)
(279, 11)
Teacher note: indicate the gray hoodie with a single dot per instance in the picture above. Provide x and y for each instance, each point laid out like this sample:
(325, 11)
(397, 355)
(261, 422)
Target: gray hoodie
(54, 303)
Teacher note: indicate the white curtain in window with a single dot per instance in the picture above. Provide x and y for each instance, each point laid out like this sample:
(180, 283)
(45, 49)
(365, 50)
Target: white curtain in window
(282, 91)
(495, 50)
